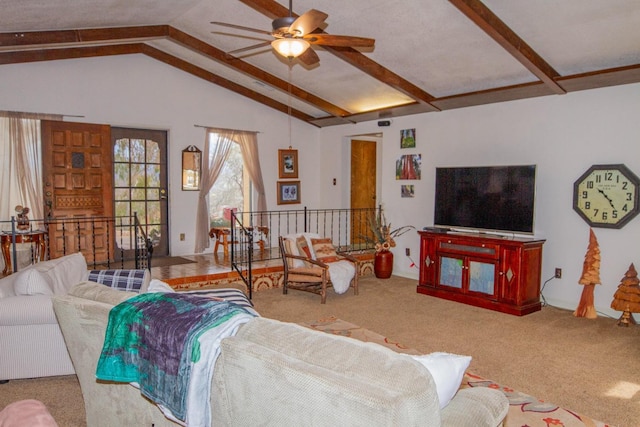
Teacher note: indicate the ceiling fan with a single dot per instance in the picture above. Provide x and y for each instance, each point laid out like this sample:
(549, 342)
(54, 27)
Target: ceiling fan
(293, 36)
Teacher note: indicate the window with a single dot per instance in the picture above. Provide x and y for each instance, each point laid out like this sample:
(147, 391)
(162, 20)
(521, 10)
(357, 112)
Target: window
(231, 190)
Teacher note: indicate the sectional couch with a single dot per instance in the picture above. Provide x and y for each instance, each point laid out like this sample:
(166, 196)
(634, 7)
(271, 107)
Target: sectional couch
(276, 373)
(31, 343)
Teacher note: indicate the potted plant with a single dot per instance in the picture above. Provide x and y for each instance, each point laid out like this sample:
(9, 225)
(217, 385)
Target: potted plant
(383, 237)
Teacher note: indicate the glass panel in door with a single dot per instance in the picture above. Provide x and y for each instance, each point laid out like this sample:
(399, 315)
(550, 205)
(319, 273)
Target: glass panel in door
(482, 277)
(451, 272)
(140, 184)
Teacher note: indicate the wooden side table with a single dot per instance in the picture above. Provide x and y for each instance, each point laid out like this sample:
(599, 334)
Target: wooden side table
(36, 237)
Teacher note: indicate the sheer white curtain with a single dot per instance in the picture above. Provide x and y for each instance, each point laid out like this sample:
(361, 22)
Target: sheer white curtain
(215, 155)
(21, 171)
(21, 160)
(249, 147)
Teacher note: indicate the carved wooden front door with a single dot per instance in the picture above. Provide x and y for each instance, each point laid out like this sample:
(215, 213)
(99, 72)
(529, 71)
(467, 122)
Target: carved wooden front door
(78, 185)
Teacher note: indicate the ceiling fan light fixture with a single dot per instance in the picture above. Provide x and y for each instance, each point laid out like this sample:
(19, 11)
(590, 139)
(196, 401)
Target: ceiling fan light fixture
(290, 47)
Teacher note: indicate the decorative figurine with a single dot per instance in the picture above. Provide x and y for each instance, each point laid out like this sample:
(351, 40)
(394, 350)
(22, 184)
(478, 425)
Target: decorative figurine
(590, 278)
(627, 297)
(23, 220)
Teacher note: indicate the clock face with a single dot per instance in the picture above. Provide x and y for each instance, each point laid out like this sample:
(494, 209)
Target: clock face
(607, 196)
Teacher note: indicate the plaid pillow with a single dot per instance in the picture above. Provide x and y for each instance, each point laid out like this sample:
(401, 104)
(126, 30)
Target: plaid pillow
(122, 280)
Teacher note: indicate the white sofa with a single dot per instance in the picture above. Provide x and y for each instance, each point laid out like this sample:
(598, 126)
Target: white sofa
(31, 343)
(273, 373)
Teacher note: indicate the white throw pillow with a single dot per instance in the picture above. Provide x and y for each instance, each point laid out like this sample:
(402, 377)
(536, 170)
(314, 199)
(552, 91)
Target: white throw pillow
(159, 286)
(64, 272)
(31, 282)
(447, 371)
(308, 237)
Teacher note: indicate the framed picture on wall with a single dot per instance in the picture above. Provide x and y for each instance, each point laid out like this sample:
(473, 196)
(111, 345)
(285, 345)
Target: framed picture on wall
(288, 192)
(407, 191)
(409, 166)
(287, 164)
(408, 138)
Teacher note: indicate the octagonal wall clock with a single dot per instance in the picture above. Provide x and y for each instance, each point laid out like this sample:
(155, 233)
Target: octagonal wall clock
(607, 196)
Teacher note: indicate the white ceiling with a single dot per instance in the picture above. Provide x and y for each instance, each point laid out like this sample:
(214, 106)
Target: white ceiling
(434, 56)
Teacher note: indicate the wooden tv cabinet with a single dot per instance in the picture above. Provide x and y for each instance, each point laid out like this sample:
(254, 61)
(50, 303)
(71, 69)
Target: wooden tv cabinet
(489, 271)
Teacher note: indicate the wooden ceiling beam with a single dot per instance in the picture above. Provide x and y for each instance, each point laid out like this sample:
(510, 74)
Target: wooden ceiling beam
(495, 28)
(602, 78)
(218, 55)
(222, 82)
(50, 39)
(36, 55)
(596, 79)
(386, 76)
(273, 9)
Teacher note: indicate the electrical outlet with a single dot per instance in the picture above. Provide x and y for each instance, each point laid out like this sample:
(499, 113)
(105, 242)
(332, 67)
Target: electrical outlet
(558, 273)
(407, 251)
(182, 237)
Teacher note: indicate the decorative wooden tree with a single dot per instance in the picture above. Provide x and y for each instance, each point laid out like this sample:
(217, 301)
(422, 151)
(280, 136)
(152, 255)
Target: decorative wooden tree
(590, 278)
(627, 297)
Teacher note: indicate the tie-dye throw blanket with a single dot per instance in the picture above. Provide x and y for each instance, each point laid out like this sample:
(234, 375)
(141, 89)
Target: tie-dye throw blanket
(152, 339)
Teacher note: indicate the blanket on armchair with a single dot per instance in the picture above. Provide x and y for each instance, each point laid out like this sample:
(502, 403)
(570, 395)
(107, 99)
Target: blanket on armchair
(158, 340)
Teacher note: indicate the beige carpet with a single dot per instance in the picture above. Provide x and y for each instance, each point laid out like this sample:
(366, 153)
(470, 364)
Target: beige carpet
(524, 409)
(588, 366)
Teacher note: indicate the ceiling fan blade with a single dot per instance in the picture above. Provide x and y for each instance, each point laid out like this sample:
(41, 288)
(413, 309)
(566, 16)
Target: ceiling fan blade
(240, 27)
(307, 22)
(334, 40)
(244, 49)
(309, 57)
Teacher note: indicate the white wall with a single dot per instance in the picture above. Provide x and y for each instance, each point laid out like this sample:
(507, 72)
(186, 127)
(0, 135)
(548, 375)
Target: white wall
(140, 92)
(562, 135)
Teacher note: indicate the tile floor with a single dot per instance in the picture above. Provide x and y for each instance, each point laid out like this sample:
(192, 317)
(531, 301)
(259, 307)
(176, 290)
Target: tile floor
(206, 265)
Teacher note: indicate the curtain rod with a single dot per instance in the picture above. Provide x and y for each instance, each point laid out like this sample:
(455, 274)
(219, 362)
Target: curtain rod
(37, 114)
(225, 129)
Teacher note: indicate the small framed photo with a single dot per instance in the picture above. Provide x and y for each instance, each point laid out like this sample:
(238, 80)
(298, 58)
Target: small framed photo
(407, 191)
(288, 163)
(408, 138)
(288, 192)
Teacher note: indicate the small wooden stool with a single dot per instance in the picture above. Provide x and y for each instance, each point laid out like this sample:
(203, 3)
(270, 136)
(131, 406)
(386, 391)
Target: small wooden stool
(221, 234)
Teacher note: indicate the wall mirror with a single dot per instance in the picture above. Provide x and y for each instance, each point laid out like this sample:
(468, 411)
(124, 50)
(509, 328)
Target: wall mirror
(191, 166)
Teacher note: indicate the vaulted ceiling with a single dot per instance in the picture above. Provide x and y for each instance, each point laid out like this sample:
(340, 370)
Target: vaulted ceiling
(429, 55)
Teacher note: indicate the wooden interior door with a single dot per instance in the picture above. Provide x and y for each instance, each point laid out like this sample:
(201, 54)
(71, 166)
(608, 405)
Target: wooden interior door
(78, 184)
(363, 186)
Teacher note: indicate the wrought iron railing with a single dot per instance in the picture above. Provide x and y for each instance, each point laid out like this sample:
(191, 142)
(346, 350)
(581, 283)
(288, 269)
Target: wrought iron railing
(105, 242)
(349, 230)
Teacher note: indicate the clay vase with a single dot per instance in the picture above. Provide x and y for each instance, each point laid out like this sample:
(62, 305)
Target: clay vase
(383, 264)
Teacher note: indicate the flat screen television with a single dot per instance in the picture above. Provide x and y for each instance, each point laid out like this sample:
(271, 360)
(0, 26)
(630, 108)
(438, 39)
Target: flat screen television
(486, 198)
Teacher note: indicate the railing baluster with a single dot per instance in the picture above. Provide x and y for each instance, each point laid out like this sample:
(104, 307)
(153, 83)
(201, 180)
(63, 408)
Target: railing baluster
(347, 228)
(59, 235)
